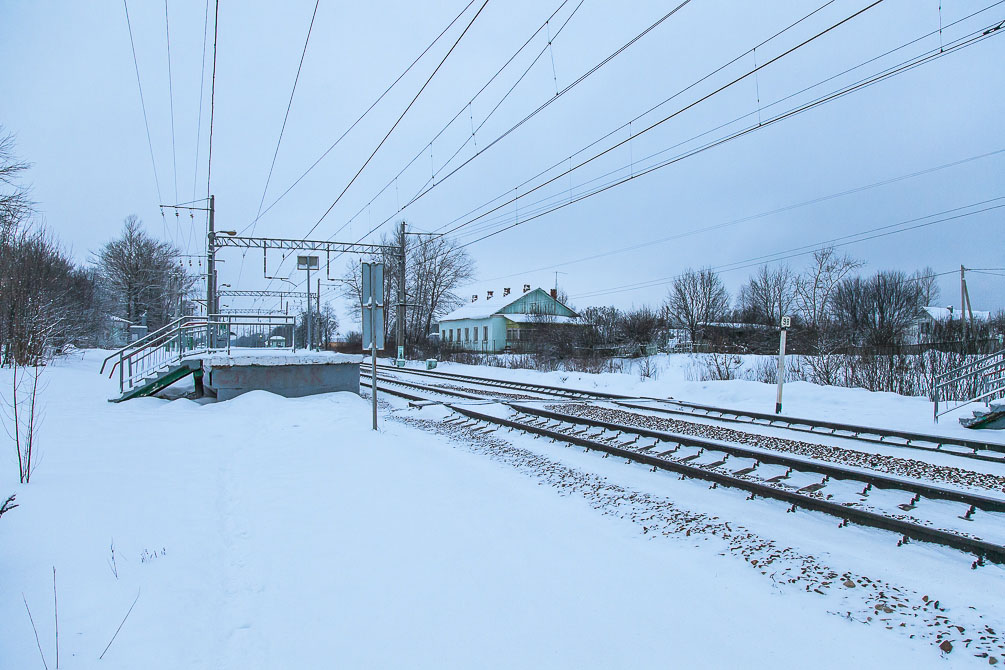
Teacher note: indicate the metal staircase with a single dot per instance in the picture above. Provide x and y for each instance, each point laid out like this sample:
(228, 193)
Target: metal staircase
(173, 352)
(980, 380)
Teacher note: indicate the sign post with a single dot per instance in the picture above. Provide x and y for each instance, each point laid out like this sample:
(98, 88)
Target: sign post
(373, 321)
(786, 322)
(308, 263)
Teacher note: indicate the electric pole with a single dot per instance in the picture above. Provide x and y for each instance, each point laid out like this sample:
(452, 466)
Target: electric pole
(309, 338)
(211, 259)
(400, 326)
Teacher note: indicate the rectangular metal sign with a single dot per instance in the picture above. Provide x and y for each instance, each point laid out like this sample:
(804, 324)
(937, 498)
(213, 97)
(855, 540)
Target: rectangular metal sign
(307, 262)
(373, 324)
(373, 305)
(373, 283)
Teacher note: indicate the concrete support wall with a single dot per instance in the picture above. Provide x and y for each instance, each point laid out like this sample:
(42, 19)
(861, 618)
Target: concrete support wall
(291, 381)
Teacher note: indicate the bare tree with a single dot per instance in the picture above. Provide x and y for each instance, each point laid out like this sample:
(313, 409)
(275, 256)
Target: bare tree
(435, 268)
(768, 295)
(22, 416)
(928, 287)
(640, 327)
(601, 325)
(143, 276)
(878, 310)
(816, 286)
(696, 299)
(15, 207)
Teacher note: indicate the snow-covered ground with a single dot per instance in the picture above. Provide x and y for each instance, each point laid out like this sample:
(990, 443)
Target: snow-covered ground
(266, 532)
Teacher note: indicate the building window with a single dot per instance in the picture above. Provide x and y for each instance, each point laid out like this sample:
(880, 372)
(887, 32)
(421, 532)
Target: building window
(450, 335)
(466, 335)
(512, 334)
(485, 333)
(476, 333)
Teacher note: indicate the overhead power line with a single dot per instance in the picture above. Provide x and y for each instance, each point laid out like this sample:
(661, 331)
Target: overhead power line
(467, 107)
(886, 230)
(753, 217)
(143, 105)
(969, 40)
(679, 111)
(286, 116)
(628, 125)
(202, 84)
(174, 153)
(212, 99)
(537, 111)
(361, 116)
(282, 130)
(395, 125)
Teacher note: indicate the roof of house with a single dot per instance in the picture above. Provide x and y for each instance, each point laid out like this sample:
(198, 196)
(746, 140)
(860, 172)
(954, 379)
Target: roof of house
(477, 310)
(945, 314)
(483, 308)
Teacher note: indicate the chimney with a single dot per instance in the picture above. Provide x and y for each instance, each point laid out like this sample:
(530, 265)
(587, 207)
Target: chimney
(526, 287)
(554, 294)
(505, 291)
(474, 298)
(489, 294)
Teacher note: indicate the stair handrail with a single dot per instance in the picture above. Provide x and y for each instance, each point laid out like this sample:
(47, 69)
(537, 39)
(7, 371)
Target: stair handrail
(970, 373)
(151, 348)
(978, 361)
(976, 372)
(145, 340)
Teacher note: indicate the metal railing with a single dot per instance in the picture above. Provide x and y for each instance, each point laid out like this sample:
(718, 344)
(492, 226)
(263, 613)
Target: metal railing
(159, 351)
(980, 380)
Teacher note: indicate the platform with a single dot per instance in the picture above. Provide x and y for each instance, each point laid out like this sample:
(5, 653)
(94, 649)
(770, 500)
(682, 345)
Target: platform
(292, 375)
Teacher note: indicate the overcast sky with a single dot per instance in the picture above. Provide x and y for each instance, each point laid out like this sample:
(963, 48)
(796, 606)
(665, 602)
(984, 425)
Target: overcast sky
(68, 90)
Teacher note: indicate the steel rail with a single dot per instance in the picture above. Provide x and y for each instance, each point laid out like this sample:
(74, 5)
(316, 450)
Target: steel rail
(860, 433)
(766, 456)
(871, 435)
(981, 548)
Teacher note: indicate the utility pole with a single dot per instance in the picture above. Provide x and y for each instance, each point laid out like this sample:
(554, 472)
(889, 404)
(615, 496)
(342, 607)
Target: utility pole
(965, 303)
(211, 271)
(400, 326)
(309, 338)
(211, 259)
(318, 312)
(781, 363)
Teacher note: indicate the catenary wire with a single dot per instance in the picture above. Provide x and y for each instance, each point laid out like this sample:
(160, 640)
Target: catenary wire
(863, 236)
(467, 106)
(395, 125)
(752, 217)
(571, 156)
(143, 105)
(365, 112)
(904, 67)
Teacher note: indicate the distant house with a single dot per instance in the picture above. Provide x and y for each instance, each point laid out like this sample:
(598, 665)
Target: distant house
(929, 318)
(502, 321)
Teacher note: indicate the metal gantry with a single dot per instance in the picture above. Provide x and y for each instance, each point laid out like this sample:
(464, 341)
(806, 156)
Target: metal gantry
(302, 245)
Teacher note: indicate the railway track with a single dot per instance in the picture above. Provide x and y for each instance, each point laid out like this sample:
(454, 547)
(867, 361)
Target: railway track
(964, 448)
(913, 510)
